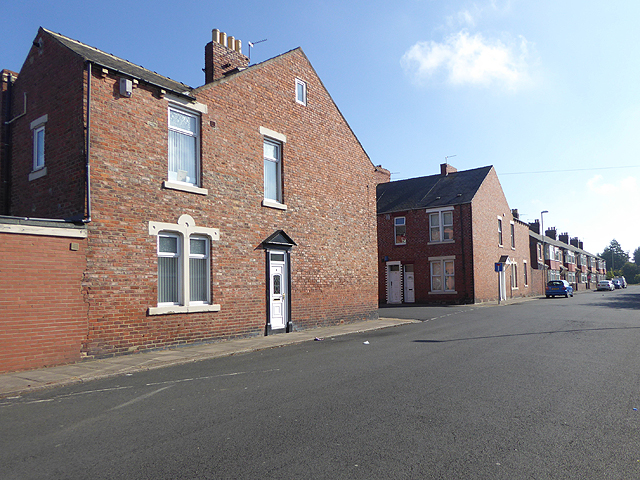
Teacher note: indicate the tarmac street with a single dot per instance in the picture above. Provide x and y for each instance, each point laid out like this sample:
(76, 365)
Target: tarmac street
(546, 388)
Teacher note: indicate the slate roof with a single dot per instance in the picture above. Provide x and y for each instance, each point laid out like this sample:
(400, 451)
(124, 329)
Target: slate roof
(118, 64)
(432, 191)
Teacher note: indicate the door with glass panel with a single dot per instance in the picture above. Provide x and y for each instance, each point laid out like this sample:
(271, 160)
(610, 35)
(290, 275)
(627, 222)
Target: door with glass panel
(394, 284)
(277, 290)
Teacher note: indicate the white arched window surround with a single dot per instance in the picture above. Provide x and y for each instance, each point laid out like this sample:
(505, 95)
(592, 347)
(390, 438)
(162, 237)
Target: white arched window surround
(184, 231)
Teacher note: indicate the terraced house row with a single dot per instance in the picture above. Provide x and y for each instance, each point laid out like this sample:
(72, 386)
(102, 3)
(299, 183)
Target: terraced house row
(452, 238)
(137, 212)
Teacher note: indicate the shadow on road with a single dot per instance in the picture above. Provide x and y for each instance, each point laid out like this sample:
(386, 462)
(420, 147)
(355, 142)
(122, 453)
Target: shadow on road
(550, 332)
(628, 301)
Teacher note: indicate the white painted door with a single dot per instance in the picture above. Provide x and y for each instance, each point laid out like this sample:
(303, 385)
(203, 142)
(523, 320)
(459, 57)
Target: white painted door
(393, 283)
(278, 290)
(502, 285)
(409, 294)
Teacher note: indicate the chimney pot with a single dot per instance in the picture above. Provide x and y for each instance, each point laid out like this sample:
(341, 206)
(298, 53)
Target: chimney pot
(215, 35)
(223, 39)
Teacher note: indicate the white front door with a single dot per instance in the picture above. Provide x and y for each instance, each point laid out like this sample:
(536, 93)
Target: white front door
(278, 291)
(394, 284)
(502, 284)
(409, 294)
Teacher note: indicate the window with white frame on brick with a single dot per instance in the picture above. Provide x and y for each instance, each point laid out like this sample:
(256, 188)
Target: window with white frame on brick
(301, 92)
(513, 235)
(514, 275)
(442, 275)
(184, 266)
(525, 272)
(400, 230)
(38, 168)
(500, 231)
(440, 226)
(272, 170)
(184, 146)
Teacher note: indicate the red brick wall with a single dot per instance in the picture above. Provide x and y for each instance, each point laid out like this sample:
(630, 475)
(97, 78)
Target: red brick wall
(417, 252)
(329, 188)
(53, 80)
(489, 204)
(43, 315)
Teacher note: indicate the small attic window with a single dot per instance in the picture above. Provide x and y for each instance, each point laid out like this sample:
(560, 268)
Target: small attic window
(301, 92)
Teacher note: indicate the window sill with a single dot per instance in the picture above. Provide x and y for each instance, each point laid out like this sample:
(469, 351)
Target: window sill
(183, 309)
(441, 242)
(41, 172)
(448, 292)
(273, 204)
(183, 187)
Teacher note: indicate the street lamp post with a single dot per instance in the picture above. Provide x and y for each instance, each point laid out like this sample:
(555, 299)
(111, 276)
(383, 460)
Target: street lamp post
(544, 251)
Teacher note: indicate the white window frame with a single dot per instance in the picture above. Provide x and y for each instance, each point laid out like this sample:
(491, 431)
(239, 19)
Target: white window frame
(177, 182)
(178, 254)
(442, 261)
(441, 225)
(500, 239)
(301, 92)
(207, 258)
(514, 276)
(526, 273)
(280, 139)
(512, 229)
(38, 166)
(399, 222)
(185, 230)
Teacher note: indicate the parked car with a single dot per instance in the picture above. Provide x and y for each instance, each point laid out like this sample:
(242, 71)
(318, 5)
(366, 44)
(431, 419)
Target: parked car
(623, 281)
(617, 283)
(605, 285)
(559, 287)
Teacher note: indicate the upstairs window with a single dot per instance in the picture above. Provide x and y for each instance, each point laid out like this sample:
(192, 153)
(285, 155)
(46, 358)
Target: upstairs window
(513, 235)
(301, 92)
(38, 132)
(400, 230)
(441, 226)
(184, 146)
(272, 170)
(500, 231)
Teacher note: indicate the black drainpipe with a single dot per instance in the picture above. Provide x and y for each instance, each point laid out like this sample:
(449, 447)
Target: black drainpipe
(87, 218)
(6, 164)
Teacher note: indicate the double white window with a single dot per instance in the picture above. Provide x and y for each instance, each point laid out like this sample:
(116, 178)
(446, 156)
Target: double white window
(184, 266)
(400, 230)
(442, 275)
(440, 226)
(184, 146)
(171, 256)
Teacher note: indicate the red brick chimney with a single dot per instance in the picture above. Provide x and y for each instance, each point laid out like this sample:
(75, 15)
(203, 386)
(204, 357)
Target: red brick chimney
(222, 55)
(446, 169)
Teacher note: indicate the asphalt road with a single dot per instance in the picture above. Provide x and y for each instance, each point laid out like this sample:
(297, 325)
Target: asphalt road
(543, 389)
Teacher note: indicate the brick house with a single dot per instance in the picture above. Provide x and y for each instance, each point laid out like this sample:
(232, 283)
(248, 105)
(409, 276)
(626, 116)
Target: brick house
(440, 236)
(210, 212)
(564, 258)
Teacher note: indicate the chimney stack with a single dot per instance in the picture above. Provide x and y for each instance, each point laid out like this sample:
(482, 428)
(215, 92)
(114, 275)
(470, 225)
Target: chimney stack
(446, 169)
(564, 237)
(535, 226)
(575, 242)
(551, 233)
(223, 55)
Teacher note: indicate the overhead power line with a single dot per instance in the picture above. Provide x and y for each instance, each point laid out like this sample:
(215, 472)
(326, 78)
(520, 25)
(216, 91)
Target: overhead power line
(570, 170)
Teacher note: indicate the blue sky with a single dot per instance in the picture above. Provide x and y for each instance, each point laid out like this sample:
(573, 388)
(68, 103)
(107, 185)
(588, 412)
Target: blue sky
(546, 86)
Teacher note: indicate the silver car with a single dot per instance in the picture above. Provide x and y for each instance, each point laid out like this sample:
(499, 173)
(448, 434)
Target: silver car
(606, 285)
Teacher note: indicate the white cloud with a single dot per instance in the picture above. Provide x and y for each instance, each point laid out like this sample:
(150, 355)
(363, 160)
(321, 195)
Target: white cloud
(465, 59)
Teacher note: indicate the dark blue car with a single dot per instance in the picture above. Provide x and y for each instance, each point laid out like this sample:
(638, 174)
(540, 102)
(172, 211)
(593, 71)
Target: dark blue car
(559, 287)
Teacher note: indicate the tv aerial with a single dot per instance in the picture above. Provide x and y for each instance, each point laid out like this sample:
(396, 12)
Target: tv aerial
(251, 44)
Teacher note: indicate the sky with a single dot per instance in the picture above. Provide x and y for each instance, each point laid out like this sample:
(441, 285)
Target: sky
(548, 92)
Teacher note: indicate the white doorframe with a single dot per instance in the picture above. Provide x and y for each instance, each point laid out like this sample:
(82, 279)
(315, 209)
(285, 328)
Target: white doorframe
(394, 282)
(278, 291)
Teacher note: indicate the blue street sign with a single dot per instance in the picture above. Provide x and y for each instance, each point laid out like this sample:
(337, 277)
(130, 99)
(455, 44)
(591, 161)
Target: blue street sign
(499, 267)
